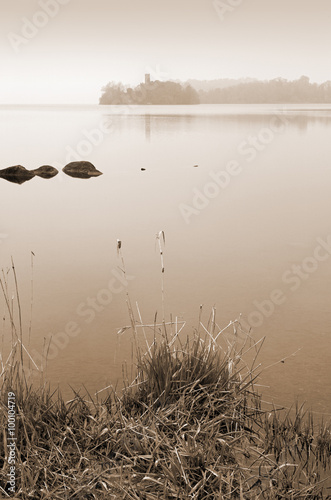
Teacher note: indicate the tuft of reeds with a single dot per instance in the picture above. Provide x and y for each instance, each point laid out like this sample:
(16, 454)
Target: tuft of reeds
(190, 425)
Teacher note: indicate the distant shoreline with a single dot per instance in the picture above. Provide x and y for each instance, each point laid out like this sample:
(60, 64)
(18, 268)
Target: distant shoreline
(221, 91)
(316, 105)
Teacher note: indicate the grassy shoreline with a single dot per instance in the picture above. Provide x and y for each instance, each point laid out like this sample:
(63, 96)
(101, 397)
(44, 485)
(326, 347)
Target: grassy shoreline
(190, 425)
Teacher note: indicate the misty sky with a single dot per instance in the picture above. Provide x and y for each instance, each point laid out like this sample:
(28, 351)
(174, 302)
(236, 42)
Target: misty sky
(86, 43)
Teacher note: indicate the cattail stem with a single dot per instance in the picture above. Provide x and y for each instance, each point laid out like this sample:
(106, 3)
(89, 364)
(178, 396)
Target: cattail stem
(19, 308)
(128, 301)
(158, 237)
(31, 304)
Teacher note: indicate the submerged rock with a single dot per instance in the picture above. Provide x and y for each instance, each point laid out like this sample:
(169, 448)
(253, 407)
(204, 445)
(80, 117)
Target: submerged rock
(17, 174)
(81, 169)
(46, 171)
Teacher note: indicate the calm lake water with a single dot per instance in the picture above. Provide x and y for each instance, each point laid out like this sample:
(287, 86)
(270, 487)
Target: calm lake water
(248, 231)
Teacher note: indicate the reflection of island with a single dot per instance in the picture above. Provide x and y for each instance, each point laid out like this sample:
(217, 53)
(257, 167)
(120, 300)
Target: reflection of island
(148, 127)
(157, 123)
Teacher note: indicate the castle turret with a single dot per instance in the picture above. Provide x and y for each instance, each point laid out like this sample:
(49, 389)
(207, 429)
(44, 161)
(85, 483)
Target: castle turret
(147, 79)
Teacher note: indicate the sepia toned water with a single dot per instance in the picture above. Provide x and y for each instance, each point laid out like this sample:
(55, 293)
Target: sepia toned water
(243, 194)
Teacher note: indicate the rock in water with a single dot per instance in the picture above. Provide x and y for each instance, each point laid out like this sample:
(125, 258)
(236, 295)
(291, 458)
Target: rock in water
(46, 171)
(17, 174)
(81, 169)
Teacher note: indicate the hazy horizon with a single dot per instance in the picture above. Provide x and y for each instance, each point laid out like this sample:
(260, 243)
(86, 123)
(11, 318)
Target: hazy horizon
(65, 51)
(125, 84)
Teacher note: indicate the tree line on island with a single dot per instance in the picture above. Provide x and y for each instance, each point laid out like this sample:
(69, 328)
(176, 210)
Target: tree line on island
(223, 91)
(149, 93)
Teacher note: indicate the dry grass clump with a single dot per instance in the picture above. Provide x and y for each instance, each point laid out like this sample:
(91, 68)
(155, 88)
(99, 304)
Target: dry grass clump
(194, 428)
(191, 425)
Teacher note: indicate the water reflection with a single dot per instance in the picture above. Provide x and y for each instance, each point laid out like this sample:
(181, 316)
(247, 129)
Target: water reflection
(148, 128)
(165, 122)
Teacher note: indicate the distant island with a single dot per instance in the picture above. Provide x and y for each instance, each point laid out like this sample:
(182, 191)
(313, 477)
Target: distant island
(222, 91)
(149, 93)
